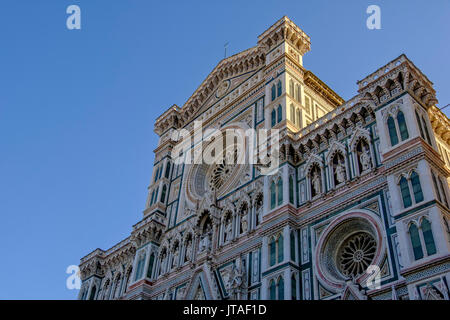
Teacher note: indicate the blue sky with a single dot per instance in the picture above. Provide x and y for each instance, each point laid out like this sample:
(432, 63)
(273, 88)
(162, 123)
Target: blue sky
(77, 107)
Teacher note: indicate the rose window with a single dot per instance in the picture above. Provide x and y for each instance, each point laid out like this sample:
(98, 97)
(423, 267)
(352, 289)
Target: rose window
(356, 254)
(222, 171)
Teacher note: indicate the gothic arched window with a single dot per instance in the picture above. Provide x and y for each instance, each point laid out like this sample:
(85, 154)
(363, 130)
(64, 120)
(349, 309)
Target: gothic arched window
(406, 195)
(280, 191)
(279, 113)
(299, 123)
(428, 237)
(291, 190)
(425, 128)
(419, 123)
(150, 265)
(140, 267)
(436, 187)
(402, 126)
(293, 288)
(417, 188)
(272, 195)
(293, 113)
(272, 290)
(292, 245)
(163, 194)
(273, 117)
(291, 88)
(392, 131)
(279, 89)
(93, 291)
(272, 251)
(280, 287)
(444, 195)
(280, 249)
(167, 170)
(415, 241)
(273, 92)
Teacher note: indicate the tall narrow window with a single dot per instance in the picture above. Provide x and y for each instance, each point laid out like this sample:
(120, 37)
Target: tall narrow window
(273, 92)
(272, 290)
(292, 113)
(420, 125)
(436, 187)
(279, 113)
(279, 89)
(280, 288)
(428, 237)
(392, 131)
(280, 248)
(417, 188)
(406, 195)
(150, 265)
(272, 195)
(93, 291)
(153, 196)
(425, 128)
(272, 252)
(291, 190)
(293, 288)
(415, 242)
(167, 174)
(274, 117)
(299, 122)
(156, 175)
(299, 93)
(160, 171)
(402, 126)
(308, 104)
(291, 88)
(292, 244)
(444, 195)
(280, 192)
(163, 194)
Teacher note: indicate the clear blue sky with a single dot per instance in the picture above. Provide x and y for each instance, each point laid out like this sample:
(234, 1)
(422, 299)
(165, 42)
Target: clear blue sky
(77, 107)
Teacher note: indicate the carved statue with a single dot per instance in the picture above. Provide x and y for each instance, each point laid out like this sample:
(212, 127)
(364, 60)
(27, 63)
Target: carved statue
(365, 158)
(316, 183)
(175, 257)
(205, 242)
(228, 230)
(244, 223)
(340, 172)
(188, 250)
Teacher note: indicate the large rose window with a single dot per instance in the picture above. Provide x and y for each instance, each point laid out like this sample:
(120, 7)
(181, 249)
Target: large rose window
(356, 254)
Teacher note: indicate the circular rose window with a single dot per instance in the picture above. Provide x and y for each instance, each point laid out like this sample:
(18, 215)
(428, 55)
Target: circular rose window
(356, 254)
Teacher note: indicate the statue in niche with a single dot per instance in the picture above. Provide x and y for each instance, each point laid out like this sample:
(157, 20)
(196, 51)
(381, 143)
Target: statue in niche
(364, 158)
(163, 263)
(316, 184)
(175, 257)
(205, 242)
(188, 250)
(244, 223)
(228, 230)
(340, 172)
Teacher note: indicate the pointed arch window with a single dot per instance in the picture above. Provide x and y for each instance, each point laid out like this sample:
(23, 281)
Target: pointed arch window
(291, 190)
(293, 287)
(280, 249)
(280, 191)
(93, 291)
(273, 92)
(291, 88)
(153, 196)
(417, 188)
(415, 241)
(273, 117)
(167, 174)
(272, 195)
(156, 175)
(402, 126)
(150, 265)
(299, 93)
(279, 88)
(292, 244)
(392, 131)
(140, 267)
(280, 288)
(272, 290)
(299, 123)
(436, 187)
(428, 237)
(419, 123)
(293, 114)
(272, 252)
(444, 195)
(425, 129)
(279, 113)
(406, 195)
(163, 194)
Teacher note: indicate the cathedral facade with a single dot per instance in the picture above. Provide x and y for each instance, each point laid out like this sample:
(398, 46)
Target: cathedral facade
(351, 201)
